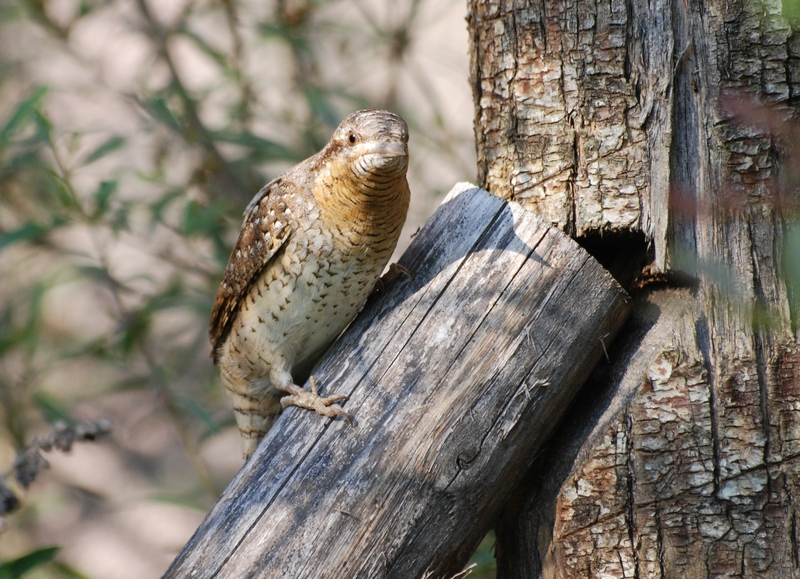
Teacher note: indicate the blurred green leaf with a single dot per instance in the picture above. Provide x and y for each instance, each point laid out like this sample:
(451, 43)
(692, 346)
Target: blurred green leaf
(25, 335)
(216, 55)
(320, 104)
(261, 149)
(97, 274)
(19, 567)
(26, 112)
(44, 128)
(18, 161)
(273, 30)
(108, 146)
(204, 220)
(119, 220)
(51, 408)
(62, 191)
(25, 232)
(86, 7)
(161, 112)
(160, 205)
(133, 332)
(10, 11)
(102, 196)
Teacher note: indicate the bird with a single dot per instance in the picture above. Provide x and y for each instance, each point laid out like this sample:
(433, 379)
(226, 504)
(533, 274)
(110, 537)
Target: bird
(312, 248)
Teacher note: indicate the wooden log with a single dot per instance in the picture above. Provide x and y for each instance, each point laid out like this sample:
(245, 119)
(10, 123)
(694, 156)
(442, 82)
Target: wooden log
(456, 379)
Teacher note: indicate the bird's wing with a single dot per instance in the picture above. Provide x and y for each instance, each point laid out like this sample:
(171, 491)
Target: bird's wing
(264, 231)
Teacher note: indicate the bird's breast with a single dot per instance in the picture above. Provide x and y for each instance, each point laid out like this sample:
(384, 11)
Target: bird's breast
(302, 302)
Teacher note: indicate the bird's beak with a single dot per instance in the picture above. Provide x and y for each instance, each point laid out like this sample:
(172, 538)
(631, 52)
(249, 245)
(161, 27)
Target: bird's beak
(385, 149)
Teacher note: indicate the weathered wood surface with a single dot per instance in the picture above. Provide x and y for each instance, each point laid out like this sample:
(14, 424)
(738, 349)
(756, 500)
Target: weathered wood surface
(676, 121)
(455, 380)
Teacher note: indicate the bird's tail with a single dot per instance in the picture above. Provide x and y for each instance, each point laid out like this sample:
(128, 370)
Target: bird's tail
(254, 410)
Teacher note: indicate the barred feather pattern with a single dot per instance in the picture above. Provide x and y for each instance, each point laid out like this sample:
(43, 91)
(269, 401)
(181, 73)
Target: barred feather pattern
(312, 247)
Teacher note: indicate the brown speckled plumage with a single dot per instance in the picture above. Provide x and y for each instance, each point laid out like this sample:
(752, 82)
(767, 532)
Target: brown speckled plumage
(313, 244)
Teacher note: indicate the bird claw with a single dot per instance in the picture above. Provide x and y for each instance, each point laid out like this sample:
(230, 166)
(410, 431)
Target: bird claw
(313, 401)
(391, 274)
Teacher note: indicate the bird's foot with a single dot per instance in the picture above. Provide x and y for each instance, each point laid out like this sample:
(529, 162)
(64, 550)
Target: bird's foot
(391, 274)
(313, 401)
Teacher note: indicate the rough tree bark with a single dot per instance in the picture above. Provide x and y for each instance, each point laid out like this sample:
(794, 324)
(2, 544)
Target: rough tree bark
(637, 127)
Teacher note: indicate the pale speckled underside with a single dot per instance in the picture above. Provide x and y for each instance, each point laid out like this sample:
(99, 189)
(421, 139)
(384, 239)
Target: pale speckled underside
(297, 308)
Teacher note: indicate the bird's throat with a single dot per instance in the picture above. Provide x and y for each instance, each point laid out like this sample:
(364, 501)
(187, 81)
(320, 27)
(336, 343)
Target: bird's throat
(362, 205)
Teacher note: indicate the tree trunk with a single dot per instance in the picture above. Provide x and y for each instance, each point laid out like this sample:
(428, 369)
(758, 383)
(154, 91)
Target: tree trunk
(658, 133)
(455, 381)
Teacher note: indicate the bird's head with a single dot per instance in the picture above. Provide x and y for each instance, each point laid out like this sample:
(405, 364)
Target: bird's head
(374, 144)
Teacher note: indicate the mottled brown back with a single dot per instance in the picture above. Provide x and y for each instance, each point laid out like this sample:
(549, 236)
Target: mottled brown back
(261, 238)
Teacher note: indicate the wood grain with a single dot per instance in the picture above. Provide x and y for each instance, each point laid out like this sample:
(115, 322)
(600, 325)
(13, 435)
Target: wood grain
(456, 378)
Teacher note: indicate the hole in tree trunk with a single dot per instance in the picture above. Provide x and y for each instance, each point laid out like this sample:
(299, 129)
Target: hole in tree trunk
(625, 254)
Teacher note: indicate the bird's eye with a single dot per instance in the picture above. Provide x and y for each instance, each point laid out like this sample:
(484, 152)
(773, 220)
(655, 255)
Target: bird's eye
(352, 138)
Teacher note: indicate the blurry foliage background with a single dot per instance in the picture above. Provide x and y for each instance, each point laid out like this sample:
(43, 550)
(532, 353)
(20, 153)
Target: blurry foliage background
(132, 135)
